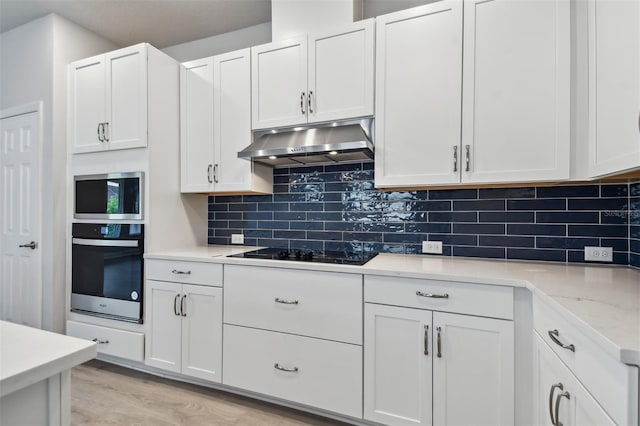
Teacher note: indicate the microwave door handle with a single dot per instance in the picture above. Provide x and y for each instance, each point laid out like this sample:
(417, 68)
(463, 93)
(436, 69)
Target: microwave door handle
(105, 243)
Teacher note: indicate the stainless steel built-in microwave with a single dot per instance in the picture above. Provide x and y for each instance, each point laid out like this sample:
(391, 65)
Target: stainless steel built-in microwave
(109, 196)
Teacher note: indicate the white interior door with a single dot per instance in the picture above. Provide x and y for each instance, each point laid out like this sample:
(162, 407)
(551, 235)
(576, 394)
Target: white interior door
(20, 273)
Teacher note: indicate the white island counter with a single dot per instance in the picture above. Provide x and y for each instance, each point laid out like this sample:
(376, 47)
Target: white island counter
(35, 373)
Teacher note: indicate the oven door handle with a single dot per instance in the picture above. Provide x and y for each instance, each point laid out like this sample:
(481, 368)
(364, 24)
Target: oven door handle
(106, 243)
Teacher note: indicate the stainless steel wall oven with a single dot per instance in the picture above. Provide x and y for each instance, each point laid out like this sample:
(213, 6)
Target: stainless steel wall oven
(107, 270)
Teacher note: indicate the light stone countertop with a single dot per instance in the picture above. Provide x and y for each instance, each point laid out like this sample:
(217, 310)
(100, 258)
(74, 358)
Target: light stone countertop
(29, 355)
(603, 301)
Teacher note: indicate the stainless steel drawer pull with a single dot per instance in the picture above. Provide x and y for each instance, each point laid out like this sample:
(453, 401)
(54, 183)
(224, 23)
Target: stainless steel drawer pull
(558, 398)
(302, 98)
(286, 301)
(455, 158)
(183, 311)
(100, 138)
(467, 149)
(175, 305)
(432, 295)
(100, 342)
(553, 334)
(177, 272)
(288, 370)
(438, 329)
(551, 392)
(426, 339)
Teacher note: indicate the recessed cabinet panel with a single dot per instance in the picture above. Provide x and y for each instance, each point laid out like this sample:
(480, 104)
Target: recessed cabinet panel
(87, 102)
(398, 356)
(196, 125)
(163, 348)
(418, 95)
(127, 98)
(341, 73)
(279, 79)
(614, 91)
(473, 370)
(516, 91)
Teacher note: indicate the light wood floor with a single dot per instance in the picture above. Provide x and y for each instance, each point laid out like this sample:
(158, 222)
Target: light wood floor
(106, 394)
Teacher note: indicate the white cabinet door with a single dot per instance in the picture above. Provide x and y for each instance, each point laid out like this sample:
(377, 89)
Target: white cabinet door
(559, 395)
(341, 73)
(201, 310)
(516, 111)
(473, 370)
(418, 95)
(398, 356)
(232, 120)
(279, 83)
(164, 323)
(614, 86)
(196, 126)
(126, 77)
(87, 99)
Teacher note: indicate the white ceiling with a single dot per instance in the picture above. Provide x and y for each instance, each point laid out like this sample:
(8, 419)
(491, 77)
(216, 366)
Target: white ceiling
(162, 23)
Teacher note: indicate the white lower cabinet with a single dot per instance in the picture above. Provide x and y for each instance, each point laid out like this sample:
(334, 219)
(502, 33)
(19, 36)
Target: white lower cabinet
(423, 366)
(184, 329)
(110, 341)
(560, 399)
(314, 372)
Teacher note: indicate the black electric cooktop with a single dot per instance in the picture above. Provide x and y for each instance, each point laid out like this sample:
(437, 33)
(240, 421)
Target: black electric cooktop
(338, 257)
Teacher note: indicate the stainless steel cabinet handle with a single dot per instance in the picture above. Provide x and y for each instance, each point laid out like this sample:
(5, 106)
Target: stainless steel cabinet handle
(551, 392)
(302, 104)
(467, 157)
(105, 132)
(32, 245)
(553, 334)
(432, 295)
(209, 171)
(558, 398)
(288, 370)
(310, 96)
(438, 329)
(100, 138)
(426, 339)
(455, 158)
(183, 311)
(100, 342)
(286, 301)
(215, 173)
(175, 305)
(178, 272)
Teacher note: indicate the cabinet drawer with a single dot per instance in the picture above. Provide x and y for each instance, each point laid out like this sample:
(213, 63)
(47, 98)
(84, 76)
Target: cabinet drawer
(327, 305)
(202, 273)
(328, 375)
(110, 341)
(470, 299)
(613, 384)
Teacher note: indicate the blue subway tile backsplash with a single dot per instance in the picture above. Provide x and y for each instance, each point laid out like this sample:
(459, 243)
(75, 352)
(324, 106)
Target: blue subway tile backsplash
(336, 207)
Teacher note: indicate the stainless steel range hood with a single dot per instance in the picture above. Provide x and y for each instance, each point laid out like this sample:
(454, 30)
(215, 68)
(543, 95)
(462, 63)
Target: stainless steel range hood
(331, 142)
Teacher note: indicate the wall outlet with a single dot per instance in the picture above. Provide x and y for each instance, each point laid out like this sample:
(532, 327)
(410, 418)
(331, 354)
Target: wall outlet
(598, 254)
(433, 247)
(237, 238)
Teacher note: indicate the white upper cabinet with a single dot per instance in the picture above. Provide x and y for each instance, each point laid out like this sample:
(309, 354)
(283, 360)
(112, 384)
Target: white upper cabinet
(515, 100)
(196, 125)
(418, 95)
(614, 86)
(279, 83)
(501, 117)
(108, 100)
(314, 78)
(340, 67)
(215, 117)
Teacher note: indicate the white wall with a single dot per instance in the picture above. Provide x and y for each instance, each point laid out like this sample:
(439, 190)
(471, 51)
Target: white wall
(223, 43)
(33, 60)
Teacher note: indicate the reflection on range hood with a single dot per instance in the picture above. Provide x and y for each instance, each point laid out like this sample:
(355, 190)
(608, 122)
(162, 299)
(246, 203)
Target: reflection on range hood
(331, 142)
